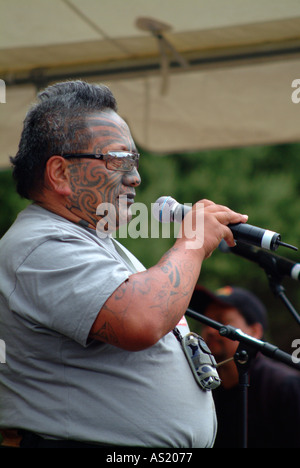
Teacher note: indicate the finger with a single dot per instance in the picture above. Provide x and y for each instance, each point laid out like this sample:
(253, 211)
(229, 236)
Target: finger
(231, 217)
(228, 238)
(226, 214)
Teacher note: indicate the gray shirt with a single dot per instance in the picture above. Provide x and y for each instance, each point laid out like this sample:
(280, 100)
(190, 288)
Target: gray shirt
(54, 278)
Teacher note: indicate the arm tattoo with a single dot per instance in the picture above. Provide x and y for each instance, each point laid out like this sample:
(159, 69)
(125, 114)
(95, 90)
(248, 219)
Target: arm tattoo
(164, 290)
(105, 333)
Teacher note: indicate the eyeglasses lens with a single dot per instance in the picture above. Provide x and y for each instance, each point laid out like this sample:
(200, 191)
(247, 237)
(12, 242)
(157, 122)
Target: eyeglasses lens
(122, 161)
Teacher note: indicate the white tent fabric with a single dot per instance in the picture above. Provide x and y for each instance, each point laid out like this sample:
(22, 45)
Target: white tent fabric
(187, 75)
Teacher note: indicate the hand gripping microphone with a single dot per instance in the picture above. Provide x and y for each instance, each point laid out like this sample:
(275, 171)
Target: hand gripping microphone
(167, 210)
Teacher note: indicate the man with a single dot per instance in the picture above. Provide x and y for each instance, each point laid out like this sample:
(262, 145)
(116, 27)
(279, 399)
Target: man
(90, 353)
(273, 394)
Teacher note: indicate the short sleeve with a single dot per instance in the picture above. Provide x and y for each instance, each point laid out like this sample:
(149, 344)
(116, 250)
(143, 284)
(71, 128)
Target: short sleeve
(63, 283)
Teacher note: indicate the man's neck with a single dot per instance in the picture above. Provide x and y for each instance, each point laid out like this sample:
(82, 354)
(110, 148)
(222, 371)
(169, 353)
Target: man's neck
(57, 206)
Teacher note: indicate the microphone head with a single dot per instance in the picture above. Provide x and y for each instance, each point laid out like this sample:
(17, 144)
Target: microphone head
(163, 209)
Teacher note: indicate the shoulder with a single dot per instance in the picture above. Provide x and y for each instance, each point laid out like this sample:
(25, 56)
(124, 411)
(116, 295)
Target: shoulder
(37, 230)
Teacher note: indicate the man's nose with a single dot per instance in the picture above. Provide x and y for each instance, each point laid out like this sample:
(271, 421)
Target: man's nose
(132, 178)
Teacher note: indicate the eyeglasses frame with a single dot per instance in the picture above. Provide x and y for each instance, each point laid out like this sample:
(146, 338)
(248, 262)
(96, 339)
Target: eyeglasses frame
(105, 157)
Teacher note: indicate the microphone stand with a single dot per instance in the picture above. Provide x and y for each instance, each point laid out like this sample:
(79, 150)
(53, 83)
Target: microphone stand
(246, 352)
(278, 290)
(268, 263)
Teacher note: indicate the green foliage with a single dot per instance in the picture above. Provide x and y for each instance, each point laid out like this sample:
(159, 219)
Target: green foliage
(263, 182)
(10, 202)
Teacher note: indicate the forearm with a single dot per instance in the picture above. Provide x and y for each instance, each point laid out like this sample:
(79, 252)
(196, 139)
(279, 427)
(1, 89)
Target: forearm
(175, 277)
(150, 304)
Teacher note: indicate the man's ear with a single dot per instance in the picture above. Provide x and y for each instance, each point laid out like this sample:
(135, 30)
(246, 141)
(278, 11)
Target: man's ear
(56, 175)
(257, 330)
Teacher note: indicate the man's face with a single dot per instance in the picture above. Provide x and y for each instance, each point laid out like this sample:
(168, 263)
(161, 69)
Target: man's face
(92, 184)
(224, 348)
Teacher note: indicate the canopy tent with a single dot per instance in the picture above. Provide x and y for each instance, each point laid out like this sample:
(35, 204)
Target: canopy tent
(188, 75)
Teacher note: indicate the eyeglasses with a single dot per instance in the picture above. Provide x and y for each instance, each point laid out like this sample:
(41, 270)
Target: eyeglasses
(123, 161)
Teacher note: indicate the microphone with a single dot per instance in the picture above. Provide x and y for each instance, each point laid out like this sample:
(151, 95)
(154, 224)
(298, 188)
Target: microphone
(266, 260)
(167, 210)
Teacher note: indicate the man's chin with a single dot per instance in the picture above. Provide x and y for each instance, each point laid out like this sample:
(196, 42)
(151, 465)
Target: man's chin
(124, 217)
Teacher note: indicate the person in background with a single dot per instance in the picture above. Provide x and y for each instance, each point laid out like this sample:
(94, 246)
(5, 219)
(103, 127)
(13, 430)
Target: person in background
(274, 388)
(92, 356)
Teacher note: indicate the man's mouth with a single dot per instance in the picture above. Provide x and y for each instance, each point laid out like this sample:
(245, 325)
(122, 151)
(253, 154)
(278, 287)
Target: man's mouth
(127, 197)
